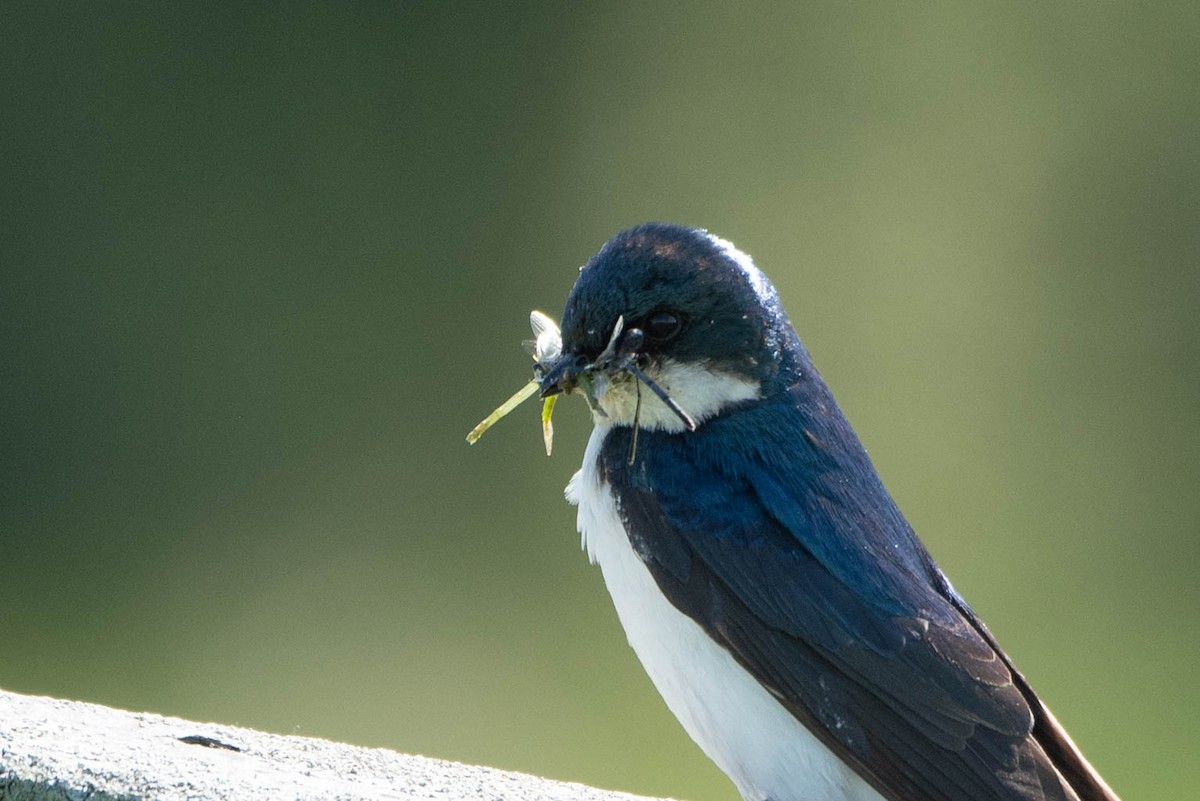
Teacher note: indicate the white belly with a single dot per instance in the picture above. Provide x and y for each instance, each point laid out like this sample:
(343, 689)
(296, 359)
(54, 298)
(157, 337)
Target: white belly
(765, 751)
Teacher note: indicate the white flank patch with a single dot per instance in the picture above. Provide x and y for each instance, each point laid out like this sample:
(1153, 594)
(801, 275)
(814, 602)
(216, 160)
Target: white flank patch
(765, 751)
(699, 391)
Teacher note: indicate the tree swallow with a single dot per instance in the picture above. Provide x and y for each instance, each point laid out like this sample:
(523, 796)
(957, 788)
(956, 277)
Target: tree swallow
(776, 596)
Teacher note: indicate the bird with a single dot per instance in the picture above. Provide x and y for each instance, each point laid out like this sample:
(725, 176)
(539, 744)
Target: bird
(779, 601)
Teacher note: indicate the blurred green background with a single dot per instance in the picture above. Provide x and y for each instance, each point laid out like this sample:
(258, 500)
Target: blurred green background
(263, 267)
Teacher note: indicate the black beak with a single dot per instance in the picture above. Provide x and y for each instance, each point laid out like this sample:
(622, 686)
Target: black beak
(562, 377)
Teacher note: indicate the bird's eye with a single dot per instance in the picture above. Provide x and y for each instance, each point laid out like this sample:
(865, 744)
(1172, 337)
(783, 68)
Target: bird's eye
(662, 325)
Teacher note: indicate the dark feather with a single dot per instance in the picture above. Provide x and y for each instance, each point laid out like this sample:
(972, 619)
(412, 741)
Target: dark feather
(787, 549)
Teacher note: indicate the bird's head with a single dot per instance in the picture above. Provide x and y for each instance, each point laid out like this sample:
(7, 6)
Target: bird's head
(672, 320)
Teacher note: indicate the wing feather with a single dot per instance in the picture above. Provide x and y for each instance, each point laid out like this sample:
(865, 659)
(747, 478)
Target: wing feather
(819, 588)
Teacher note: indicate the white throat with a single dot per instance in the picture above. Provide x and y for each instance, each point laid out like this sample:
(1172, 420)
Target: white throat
(699, 391)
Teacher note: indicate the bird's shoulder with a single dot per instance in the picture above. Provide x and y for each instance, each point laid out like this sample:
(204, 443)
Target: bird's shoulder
(777, 479)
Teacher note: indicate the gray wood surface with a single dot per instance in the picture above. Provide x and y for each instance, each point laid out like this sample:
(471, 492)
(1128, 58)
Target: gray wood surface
(55, 749)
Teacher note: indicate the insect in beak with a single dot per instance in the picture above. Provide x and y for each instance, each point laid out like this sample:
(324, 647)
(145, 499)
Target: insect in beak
(558, 373)
(546, 347)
